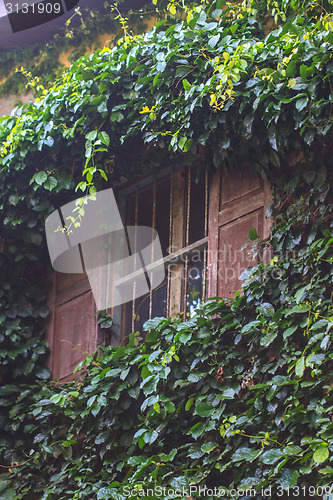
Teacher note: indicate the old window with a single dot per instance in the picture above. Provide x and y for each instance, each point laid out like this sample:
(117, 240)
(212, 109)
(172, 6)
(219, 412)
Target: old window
(202, 219)
(175, 203)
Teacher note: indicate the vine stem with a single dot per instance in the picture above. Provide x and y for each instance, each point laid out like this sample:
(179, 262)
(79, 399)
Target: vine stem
(13, 465)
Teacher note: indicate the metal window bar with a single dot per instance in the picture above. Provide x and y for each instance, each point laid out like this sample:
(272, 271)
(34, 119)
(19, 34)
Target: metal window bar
(135, 248)
(175, 257)
(170, 239)
(204, 286)
(152, 249)
(187, 232)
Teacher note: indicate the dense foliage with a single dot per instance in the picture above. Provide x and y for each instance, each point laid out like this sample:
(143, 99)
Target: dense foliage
(240, 395)
(241, 401)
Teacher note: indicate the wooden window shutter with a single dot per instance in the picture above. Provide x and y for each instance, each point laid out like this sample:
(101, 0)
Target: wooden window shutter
(72, 326)
(238, 202)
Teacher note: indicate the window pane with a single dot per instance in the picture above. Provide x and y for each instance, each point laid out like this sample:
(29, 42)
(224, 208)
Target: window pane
(197, 206)
(162, 219)
(130, 210)
(160, 300)
(162, 223)
(192, 284)
(196, 277)
(141, 312)
(145, 207)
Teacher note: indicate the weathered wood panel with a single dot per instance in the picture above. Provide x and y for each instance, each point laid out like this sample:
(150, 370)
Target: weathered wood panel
(75, 334)
(71, 329)
(231, 259)
(237, 203)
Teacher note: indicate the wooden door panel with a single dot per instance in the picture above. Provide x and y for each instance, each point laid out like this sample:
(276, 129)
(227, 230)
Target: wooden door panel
(237, 208)
(232, 260)
(71, 329)
(237, 203)
(237, 184)
(74, 334)
(67, 280)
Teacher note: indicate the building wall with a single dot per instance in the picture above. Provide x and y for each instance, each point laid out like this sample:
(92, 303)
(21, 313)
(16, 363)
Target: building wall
(8, 103)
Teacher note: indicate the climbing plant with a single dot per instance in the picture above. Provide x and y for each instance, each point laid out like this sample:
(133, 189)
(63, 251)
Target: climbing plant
(240, 402)
(238, 396)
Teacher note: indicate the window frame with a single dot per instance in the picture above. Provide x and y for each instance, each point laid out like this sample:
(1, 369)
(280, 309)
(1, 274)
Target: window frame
(178, 259)
(218, 213)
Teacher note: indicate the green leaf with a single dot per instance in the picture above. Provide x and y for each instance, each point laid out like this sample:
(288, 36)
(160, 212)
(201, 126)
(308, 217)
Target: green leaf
(108, 494)
(92, 135)
(253, 235)
(303, 71)
(292, 449)
(160, 66)
(8, 495)
(43, 373)
(91, 400)
(299, 309)
(50, 183)
(266, 309)
(4, 484)
(182, 142)
(321, 454)
(186, 84)
(326, 470)
(309, 136)
(288, 478)
(104, 138)
(299, 294)
(203, 409)
(208, 447)
(169, 406)
(268, 339)
(102, 108)
(36, 238)
(188, 145)
(189, 403)
(213, 40)
(300, 367)
(197, 430)
(149, 384)
(246, 454)
(289, 331)
(116, 116)
(150, 436)
(271, 456)
(157, 407)
(103, 174)
(40, 178)
(195, 377)
(301, 103)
